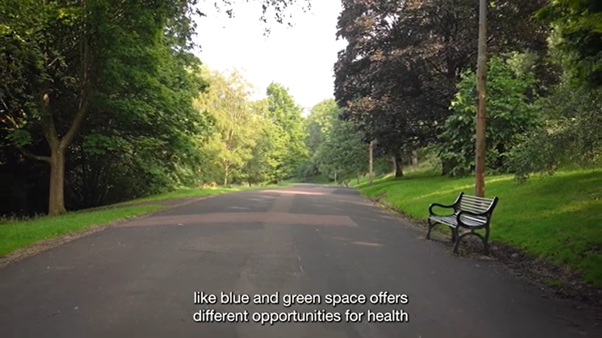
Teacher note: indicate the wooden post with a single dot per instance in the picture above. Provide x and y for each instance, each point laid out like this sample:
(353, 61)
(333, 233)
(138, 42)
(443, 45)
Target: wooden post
(371, 173)
(481, 86)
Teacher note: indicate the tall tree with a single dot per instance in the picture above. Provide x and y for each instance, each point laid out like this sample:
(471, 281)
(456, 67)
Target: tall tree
(228, 101)
(286, 114)
(63, 48)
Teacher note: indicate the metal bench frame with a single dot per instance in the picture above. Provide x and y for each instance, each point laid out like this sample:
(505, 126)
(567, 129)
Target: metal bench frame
(469, 212)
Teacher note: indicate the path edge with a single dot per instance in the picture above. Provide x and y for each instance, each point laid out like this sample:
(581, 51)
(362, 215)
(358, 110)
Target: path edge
(46, 244)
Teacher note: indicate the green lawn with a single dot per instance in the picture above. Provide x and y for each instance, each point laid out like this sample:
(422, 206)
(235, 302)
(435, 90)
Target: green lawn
(558, 218)
(19, 234)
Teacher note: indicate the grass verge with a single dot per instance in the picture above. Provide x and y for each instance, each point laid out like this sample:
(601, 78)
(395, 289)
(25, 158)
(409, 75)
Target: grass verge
(18, 234)
(198, 192)
(557, 218)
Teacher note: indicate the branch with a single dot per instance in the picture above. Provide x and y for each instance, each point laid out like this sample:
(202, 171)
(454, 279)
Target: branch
(82, 106)
(27, 153)
(48, 122)
(75, 125)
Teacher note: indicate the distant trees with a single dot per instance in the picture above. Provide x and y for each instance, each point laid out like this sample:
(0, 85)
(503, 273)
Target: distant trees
(250, 141)
(337, 149)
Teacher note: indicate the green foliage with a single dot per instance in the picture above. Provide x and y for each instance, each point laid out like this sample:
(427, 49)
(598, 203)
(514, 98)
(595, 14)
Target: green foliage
(123, 69)
(250, 141)
(286, 114)
(569, 134)
(336, 146)
(577, 36)
(509, 115)
(19, 137)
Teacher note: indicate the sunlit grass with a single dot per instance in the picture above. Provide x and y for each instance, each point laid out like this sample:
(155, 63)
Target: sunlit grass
(19, 234)
(557, 217)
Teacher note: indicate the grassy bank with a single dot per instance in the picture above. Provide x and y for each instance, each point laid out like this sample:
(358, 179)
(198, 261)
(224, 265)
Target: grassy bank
(558, 218)
(19, 234)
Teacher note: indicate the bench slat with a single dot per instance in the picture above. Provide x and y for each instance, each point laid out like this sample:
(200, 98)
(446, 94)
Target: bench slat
(477, 199)
(470, 208)
(474, 205)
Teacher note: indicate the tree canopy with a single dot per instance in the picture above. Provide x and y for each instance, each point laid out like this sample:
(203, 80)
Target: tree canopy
(104, 101)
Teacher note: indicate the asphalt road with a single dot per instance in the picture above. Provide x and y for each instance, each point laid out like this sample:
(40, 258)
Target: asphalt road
(142, 278)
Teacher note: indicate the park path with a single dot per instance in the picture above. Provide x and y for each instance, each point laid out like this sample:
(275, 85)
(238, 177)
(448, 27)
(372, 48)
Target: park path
(139, 278)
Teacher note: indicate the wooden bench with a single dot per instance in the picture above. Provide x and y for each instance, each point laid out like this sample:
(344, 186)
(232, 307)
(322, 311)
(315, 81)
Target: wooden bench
(469, 212)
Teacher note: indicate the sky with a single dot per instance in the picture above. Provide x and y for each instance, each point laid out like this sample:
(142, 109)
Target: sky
(301, 57)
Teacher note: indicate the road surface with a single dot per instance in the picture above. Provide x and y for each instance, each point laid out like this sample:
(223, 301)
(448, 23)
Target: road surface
(142, 278)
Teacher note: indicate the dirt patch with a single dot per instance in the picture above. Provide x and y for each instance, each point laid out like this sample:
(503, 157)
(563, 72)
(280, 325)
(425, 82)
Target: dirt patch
(47, 244)
(557, 281)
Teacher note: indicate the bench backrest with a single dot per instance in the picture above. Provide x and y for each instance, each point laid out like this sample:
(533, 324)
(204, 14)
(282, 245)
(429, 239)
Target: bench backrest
(475, 204)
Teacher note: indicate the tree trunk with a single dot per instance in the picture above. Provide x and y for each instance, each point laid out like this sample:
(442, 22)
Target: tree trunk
(358, 177)
(398, 165)
(414, 158)
(335, 177)
(56, 201)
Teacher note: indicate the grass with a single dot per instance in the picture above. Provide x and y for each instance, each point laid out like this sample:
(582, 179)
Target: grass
(19, 234)
(558, 218)
(199, 192)
(15, 233)
(181, 193)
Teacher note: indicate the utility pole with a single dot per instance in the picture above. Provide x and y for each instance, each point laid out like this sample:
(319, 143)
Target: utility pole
(481, 90)
(371, 173)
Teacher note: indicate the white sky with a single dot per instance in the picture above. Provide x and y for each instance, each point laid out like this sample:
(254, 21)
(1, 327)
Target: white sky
(301, 57)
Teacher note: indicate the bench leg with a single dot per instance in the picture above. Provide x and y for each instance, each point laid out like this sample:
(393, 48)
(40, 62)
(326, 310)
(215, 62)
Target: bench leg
(485, 239)
(457, 238)
(431, 225)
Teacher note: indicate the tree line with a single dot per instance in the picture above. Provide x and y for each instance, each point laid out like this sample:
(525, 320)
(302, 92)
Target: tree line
(102, 101)
(407, 80)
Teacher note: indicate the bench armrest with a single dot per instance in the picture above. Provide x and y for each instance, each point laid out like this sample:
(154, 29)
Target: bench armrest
(431, 213)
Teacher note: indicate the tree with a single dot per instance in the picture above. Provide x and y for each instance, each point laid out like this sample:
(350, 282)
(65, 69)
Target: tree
(286, 114)
(336, 147)
(510, 115)
(399, 71)
(269, 149)
(228, 102)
